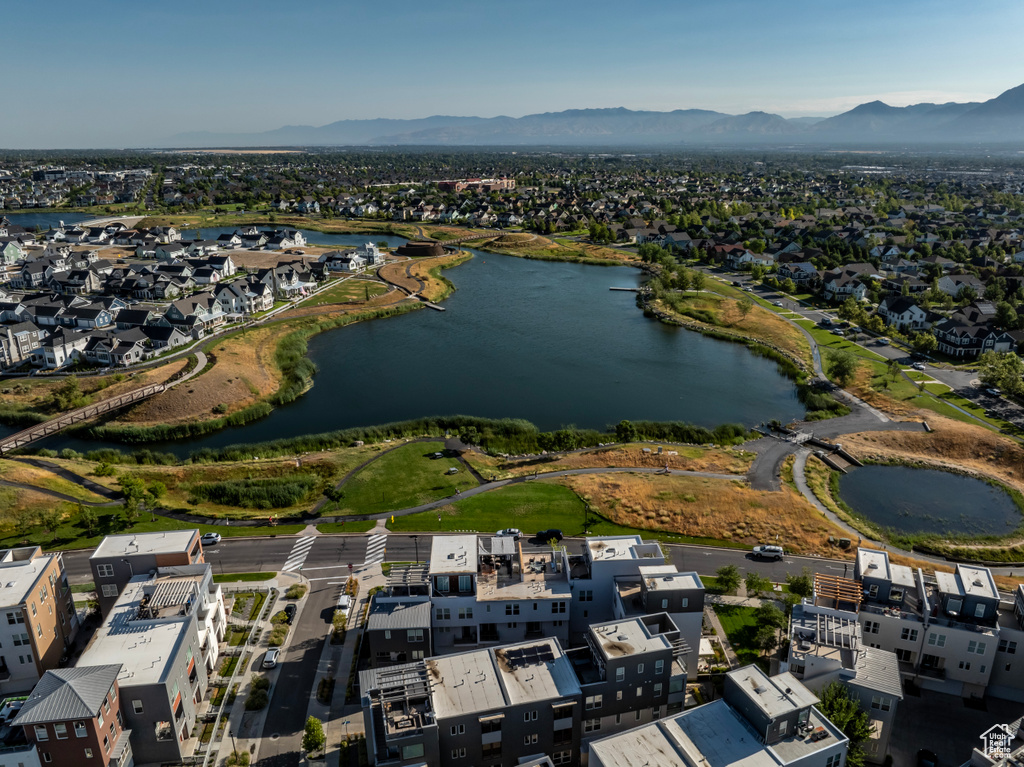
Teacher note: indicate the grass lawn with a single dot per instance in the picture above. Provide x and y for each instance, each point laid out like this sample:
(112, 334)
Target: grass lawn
(350, 290)
(403, 477)
(236, 577)
(827, 341)
(741, 630)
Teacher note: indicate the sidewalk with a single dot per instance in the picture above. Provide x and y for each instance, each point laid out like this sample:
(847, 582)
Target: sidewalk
(341, 720)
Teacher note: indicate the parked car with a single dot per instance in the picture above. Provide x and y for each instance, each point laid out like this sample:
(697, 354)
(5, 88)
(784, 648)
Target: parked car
(513, 532)
(838, 332)
(270, 659)
(210, 539)
(546, 535)
(345, 603)
(289, 612)
(994, 392)
(919, 366)
(768, 552)
(453, 470)
(776, 303)
(883, 341)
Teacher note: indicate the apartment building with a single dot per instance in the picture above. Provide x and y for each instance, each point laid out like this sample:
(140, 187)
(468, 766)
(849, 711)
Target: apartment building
(73, 717)
(630, 671)
(826, 646)
(485, 707)
(760, 720)
(606, 559)
(661, 588)
(164, 629)
(398, 624)
(486, 590)
(40, 616)
(119, 558)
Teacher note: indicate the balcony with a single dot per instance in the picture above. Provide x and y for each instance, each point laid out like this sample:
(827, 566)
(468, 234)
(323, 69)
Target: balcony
(889, 612)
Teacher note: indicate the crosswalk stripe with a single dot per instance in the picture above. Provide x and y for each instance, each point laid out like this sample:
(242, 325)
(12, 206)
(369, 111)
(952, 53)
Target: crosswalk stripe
(299, 552)
(375, 548)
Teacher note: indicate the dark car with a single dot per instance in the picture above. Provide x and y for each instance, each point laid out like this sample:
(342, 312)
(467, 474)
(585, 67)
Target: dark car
(547, 535)
(289, 611)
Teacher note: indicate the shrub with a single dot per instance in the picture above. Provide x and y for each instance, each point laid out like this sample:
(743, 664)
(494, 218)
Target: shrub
(295, 591)
(256, 700)
(272, 493)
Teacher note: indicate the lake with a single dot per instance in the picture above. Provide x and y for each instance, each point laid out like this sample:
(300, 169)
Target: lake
(544, 341)
(910, 500)
(46, 219)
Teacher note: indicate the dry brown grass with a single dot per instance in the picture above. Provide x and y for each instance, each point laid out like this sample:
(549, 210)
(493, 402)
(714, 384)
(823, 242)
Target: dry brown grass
(687, 458)
(542, 247)
(708, 508)
(15, 471)
(243, 373)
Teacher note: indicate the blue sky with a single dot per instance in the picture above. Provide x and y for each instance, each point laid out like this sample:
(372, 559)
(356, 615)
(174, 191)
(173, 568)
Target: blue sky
(118, 73)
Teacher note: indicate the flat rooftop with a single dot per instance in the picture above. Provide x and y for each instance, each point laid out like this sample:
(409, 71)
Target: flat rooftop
(399, 615)
(453, 554)
(774, 695)
(968, 581)
(143, 646)
(535, 671)
(670, 581)
(873, 564)
(145, 543)
(622, 547)
(19, 570)
(627, 637)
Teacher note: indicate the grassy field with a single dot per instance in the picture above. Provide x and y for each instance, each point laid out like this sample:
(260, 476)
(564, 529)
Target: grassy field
(403, 477)
(243, 577)
(351, 290)
(531, 507)
(741, 630)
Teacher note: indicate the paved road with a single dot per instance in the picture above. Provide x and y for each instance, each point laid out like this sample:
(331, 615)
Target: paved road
(328, 558)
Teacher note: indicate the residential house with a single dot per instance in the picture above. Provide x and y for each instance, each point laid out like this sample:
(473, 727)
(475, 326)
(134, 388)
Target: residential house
(18, 343)
(954, 284)
(73, 717)
(801, 272)
(903, 313)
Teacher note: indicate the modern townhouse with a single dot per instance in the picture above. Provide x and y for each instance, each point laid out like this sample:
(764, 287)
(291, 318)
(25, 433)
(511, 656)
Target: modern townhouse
(73, 717)
(164, 630)
(760, 720)
(119, 558)
(40, 616)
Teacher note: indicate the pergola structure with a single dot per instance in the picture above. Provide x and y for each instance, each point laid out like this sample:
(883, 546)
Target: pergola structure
(837, 592)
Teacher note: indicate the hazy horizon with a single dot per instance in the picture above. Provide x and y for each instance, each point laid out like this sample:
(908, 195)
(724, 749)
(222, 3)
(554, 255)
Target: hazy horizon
(136, 75)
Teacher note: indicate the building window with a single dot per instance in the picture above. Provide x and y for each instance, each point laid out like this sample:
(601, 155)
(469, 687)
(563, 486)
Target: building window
(512, 625)
(511, 609)
(657, 689)
(659, 667)
(443, 613)
(591, 725)
(465, 583)
(618, 695)
(137, 706)
(937, 640)
(417, 654)
(977, 648)
(88, 753)
(1008, 647)
(465, 613)
(60, 730)
(620, 674)
(414, 635)
(906, 656)
(871, 627)
(458, 729)
(413, 751)
(639, 692)
(561, 758)
(15, 617)
(108, 590)
(909, 635)
(881, 703)
(80, 729)
(491, 751)
(586, 595)
(593, 702)
(442, 583)
(686, 602)
(637, 715)
(458, 753)
(490, 725)
(965, 665)
(42, 733)
(639, 668)
(529, 716)
(46, 757)
(834, 761)
(979, 610)
(529, 740)
(664, 604)
(105, 571)
(558, 607)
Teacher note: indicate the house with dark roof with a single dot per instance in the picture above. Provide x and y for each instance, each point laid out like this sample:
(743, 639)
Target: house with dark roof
(73, 717)
(903, 313)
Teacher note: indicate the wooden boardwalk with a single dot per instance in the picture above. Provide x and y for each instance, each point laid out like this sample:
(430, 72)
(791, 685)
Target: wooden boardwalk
(54, 425)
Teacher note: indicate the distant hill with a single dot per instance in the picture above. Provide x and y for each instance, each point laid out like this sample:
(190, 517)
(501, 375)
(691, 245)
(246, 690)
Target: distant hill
(1000, 119)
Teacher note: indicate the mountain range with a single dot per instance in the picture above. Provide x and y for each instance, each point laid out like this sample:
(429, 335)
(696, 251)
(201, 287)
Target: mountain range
(998, 120)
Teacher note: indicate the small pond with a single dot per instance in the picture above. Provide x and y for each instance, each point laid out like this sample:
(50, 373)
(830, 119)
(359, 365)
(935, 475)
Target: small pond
(929, 501)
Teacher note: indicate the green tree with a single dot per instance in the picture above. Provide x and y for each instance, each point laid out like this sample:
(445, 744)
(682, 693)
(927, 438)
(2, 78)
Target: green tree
(49, 520)
(1006, 316)
(156, 491)
(313, 739)
(683, 280)
(1002, 370)
(728, 577)
(68, 395)
(766, 638)
(802, 585)
(699, 281)
(625, 431)
(88, 517)
(845, 713)
(745, 305)
(924, 342)
(134, 491)
(842, 366)
(757, 584)
(788, 286)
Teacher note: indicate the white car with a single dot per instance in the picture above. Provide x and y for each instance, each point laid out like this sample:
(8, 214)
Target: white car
(768, 552)
(210, 539)
(513, 532)
(345, 603)
(919, 366)
(270, 659)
